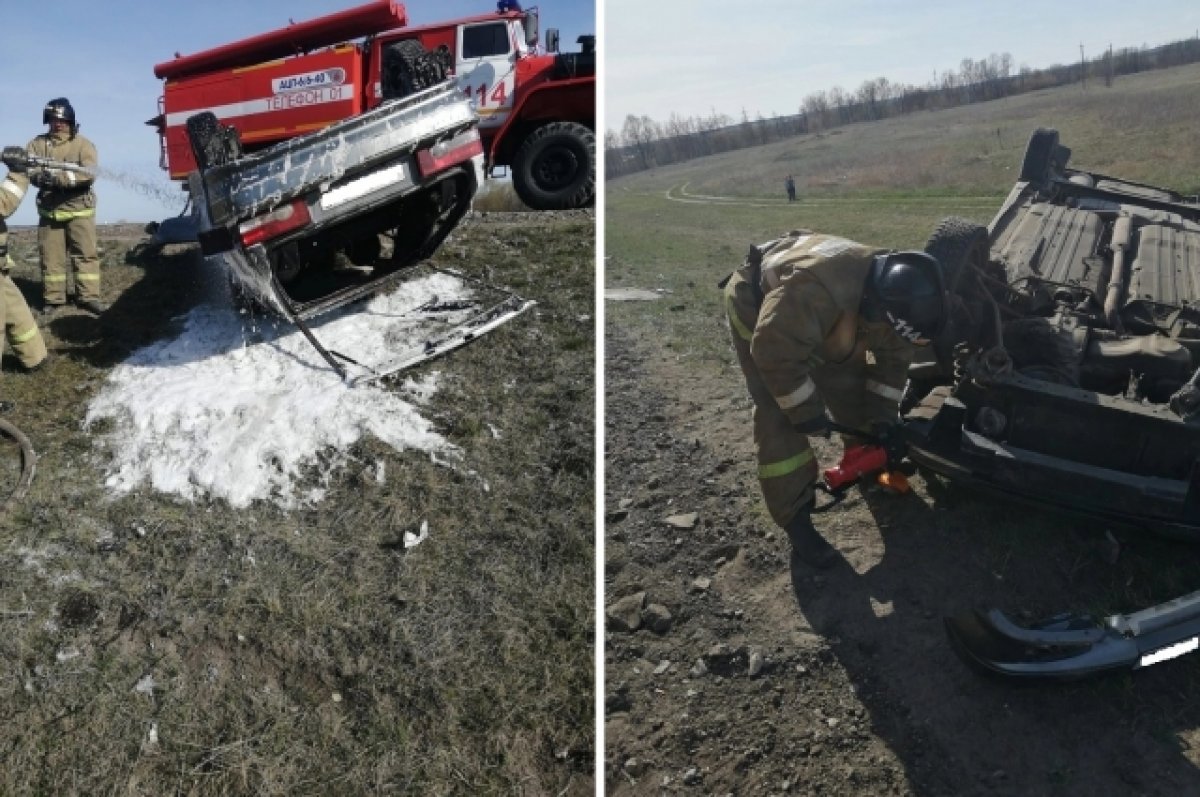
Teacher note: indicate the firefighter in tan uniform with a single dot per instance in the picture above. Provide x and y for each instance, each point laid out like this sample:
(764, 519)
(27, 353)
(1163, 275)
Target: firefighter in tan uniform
(67, 210)
(20, 329)
(821, 321)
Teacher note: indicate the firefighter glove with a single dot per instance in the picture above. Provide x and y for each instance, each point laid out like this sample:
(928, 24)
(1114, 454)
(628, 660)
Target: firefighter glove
(15, 158)
(814, 427)
(890, 436)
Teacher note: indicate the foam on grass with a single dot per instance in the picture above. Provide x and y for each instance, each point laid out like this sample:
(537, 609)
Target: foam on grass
(242, 415)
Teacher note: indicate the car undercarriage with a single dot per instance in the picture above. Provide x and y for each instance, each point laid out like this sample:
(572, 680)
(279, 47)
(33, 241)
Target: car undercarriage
(1068, 375)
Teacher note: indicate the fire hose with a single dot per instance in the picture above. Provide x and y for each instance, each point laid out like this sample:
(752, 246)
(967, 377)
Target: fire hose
(28, 464)
(17, 159)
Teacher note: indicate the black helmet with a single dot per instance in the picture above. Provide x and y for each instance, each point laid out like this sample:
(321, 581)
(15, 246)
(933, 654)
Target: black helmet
(906, 290)
(59, 108)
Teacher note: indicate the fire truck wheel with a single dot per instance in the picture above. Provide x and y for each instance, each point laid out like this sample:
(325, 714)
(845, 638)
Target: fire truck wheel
(555, 169)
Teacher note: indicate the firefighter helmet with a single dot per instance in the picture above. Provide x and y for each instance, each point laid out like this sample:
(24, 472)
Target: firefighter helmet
(58, 109)
(906, 289)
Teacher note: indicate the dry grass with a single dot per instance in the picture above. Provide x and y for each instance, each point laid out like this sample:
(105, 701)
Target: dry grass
(1143, 128)
(156, 646)
(886, 183)
(499, 196)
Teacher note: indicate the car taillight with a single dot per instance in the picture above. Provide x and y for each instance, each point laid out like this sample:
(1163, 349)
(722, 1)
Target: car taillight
(440, 156)
(273, 224)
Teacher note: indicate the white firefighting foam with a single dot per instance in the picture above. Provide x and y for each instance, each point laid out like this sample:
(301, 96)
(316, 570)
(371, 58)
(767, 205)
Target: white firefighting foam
(212, 413)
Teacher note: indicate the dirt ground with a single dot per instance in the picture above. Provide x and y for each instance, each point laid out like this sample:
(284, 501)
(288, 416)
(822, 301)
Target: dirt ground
(728, 672)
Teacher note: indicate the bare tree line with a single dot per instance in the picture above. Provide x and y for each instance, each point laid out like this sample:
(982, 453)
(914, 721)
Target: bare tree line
(643, 143)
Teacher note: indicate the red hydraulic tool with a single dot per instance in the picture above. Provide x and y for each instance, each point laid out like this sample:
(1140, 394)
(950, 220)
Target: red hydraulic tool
(880, 454)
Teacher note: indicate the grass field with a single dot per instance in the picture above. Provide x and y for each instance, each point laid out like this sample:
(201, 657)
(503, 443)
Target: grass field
(157, 646)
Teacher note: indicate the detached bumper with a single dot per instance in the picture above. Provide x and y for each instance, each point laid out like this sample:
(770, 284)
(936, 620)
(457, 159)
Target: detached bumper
(1069, 647)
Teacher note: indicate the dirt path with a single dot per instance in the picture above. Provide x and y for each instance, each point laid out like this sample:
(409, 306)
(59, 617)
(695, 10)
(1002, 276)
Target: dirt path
(740, 677)
(680, 193)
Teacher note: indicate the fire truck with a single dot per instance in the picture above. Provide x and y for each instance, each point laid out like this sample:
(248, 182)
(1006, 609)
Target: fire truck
(535, 106)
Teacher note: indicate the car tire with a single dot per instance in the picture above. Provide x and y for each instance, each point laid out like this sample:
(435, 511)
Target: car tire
(212, 143)
(409, 68)
(1044, 157)
(961, 246)
(555, 168)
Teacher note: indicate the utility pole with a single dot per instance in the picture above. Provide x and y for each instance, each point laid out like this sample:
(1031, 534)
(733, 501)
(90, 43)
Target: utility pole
(1082, 68)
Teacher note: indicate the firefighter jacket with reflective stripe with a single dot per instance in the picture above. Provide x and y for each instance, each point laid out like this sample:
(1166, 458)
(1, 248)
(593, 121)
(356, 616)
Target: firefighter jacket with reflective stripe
(812, 288)
(12, 191)
(16, 322)
(74, 197)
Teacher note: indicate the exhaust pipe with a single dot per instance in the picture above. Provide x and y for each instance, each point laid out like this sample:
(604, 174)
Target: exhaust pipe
(1122, 235)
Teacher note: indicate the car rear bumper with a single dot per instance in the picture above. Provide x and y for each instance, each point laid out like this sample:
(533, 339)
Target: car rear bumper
(943, 437)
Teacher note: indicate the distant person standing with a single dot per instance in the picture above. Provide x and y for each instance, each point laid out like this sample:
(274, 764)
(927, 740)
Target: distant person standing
(66, 207)
(790, 183)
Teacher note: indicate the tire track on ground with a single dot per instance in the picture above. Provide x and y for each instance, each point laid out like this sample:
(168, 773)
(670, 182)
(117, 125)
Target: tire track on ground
(680, 194)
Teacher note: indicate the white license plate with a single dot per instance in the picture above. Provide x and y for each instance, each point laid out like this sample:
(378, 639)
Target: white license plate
(367, 184)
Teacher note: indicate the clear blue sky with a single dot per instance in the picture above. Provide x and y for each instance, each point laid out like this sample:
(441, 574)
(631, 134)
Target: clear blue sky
(101, 56)
(765, 56)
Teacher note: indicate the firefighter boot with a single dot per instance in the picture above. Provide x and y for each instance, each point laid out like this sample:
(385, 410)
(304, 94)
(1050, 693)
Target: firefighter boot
(93, 306)
(49, 310)
(808, 546)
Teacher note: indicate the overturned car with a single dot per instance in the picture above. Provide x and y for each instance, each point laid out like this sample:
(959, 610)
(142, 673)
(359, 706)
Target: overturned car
(1069, 374)
(322, 220)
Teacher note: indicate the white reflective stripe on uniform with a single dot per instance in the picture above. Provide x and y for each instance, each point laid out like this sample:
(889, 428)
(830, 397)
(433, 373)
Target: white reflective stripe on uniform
(833, 247)
(71, 178)
(887, 391)
(11, 187)
(797, 396)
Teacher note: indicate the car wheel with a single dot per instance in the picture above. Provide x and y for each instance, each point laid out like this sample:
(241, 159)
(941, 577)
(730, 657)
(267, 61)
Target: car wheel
(1044, 157)
(961, 247)
(213, 144)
